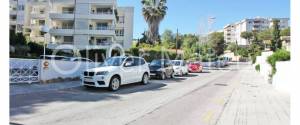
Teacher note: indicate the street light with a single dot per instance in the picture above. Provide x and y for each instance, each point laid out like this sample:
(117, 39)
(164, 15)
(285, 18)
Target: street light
(44, 29)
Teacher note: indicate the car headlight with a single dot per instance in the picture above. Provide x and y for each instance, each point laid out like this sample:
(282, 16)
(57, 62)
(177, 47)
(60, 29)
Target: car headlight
(102, 73)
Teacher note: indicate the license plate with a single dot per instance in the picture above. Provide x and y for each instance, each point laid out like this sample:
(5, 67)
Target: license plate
(88, 79)
(152, 74)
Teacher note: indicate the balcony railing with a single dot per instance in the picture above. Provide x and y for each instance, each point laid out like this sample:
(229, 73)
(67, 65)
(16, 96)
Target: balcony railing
(106, 43)
(63, 27)
(103, 28)
(102, 12)
(103, 43)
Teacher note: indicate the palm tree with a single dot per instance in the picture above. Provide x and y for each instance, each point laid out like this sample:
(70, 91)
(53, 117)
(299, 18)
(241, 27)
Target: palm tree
(154, 12)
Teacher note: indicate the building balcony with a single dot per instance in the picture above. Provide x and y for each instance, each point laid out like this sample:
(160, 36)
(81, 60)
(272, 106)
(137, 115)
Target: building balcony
(57, 15)
(38, 15)
(61, 31)
(69, 2)
(13, 2)
(102, 2)
(13, 12)
(12, 22)
(106, 31)
(97, 16)
(38, 2)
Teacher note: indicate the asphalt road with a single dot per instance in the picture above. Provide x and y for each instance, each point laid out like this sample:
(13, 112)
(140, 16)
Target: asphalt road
(198, 98)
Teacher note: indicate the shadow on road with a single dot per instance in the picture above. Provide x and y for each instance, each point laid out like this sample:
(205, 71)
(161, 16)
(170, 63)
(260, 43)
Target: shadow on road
(28, 103)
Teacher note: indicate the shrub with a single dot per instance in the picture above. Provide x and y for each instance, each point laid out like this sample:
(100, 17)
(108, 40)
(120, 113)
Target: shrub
(279, 55)
(257, 67)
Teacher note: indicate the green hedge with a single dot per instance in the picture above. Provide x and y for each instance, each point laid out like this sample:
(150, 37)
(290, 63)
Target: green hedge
(279, 55)
(152, 54)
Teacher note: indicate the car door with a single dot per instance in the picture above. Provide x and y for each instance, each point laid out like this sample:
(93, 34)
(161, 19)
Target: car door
(129, 73)
(169, 67)
(139, 70)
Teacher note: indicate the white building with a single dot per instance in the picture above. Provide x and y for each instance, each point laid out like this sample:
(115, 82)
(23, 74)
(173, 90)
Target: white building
(84, 24)
(16, 14)
(232, 32)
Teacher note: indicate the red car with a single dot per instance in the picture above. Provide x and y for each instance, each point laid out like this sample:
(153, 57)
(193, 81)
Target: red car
(195, 67)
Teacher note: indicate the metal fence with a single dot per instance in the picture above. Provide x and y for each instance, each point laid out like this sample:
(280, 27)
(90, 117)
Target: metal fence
(24, 70)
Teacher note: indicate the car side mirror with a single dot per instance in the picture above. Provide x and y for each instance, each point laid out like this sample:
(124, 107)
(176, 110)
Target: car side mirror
(128, 64)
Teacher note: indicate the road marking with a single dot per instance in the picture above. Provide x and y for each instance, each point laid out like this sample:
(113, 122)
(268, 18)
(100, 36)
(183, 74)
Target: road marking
(220, 101)
(208, 116)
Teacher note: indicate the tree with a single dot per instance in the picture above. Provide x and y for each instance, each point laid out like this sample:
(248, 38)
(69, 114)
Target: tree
(275, 42)
(217, 42)
(285, 32)
(168, 39)
(154, 11)
(232, 47)
(265, 34)
(247, 35)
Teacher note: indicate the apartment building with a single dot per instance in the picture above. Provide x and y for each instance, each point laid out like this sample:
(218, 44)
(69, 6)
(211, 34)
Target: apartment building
(84, 24)
(232, 32)
(16, 14)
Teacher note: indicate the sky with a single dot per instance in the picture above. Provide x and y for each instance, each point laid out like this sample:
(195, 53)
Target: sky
(192, 16)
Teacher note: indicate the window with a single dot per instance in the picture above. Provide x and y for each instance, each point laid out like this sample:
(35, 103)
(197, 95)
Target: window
(129, 60)
(67, 10)
(138, 61)
(68, 39)
(102, 26)
(21, 7)
(120, 32)
(121, 19)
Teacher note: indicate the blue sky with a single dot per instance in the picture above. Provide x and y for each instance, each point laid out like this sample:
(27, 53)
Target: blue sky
(191, 16)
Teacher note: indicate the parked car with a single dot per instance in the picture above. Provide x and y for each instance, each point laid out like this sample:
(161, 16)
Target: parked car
(52, 57)
(74, 59)
(161, 68)
(180, 67)
(195, 67)
(117, 71)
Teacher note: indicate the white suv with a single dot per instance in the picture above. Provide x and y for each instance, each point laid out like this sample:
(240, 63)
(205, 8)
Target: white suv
(117, 71)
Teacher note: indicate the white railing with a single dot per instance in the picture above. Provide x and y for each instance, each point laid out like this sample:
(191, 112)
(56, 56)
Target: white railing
(24, 70)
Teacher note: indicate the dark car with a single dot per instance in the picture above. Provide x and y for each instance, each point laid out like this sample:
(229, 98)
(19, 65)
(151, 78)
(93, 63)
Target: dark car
(161, 68)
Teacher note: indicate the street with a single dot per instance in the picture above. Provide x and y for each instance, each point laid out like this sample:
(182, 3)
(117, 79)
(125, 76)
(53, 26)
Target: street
(227, 96)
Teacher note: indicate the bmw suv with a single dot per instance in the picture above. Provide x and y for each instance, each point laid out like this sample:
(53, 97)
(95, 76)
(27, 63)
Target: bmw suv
(117, 71)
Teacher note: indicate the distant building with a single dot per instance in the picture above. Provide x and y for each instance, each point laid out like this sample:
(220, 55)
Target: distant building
(232, 32)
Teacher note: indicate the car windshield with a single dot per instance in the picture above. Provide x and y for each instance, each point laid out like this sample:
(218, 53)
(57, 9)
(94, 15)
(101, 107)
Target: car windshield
(113, 61)
(156, 63)
(176, 63)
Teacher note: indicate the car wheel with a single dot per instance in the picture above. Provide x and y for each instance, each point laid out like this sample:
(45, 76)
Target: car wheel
(114, 84)
(172, 75)
(145, 79)
(163, 76)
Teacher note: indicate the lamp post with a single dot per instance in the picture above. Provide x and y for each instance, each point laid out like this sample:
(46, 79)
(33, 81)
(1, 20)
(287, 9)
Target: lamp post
(44, 29)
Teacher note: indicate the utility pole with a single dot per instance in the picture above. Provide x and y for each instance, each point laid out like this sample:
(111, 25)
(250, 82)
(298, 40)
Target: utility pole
(176, 40)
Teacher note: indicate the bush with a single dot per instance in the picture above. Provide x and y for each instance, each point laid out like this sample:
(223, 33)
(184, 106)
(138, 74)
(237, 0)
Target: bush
(279, 55)
(257, 67)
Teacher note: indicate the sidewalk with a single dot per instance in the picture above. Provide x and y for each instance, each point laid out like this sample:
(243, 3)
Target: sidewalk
(255, 102)
(24, 88)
